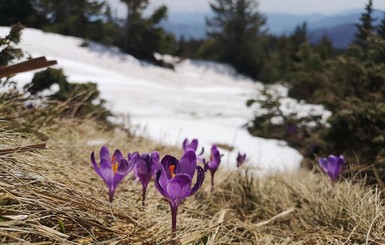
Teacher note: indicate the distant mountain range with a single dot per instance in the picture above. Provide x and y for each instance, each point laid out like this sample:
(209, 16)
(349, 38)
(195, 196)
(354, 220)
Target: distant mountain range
(340, 28)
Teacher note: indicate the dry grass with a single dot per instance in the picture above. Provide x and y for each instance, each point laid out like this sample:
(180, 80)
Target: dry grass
(54, 196)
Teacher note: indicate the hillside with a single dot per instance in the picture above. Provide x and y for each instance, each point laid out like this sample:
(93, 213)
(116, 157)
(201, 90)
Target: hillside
(198, 99)
(340, 35)
(53, 194)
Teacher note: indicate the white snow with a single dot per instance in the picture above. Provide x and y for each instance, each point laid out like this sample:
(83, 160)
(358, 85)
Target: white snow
(200, 99)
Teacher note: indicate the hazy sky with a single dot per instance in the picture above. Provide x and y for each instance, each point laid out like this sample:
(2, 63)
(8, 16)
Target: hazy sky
(282, 6)
(285, 6)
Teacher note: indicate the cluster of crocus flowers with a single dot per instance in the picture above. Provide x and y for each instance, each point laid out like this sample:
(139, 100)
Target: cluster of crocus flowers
(111, 169)
(173, 178)
(332, 166)
(241, 158)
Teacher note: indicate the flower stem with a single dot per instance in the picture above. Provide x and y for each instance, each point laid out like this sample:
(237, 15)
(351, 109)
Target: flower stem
(144, 197)
(174, 210)
(111, 195)
(112, 213)
(212, 183)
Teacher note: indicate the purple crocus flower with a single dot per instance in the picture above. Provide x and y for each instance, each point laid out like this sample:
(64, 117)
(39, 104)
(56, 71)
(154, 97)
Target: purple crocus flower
(111, 170)
(193, 146)
(332, 166)
(145, 166)
(174, 180)
(213, 163)
(241, 158)
(190, 146)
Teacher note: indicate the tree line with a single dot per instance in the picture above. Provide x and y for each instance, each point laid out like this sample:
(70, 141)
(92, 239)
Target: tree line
(93, 20)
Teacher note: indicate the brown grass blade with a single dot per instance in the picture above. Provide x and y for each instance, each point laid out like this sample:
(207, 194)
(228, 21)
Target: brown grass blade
(33, 147)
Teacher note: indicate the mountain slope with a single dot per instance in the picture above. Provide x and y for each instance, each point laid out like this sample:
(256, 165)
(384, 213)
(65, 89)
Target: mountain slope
(338, 27)
(341, 36)
(200, 99)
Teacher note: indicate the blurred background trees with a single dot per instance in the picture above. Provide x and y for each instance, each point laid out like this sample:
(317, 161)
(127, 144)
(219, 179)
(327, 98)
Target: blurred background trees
(140, 36)
(236, 34)
(143, 36)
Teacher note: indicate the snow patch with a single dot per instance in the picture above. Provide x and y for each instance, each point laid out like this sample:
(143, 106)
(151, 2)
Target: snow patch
(198, 99)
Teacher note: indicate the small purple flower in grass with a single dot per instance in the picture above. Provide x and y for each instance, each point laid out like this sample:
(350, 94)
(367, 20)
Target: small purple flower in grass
(145, 166)
(213, 163)
(332, 166)
(241, 158)
(111, 170)
(292, 129)
(193, 146)
(190, 146)
(174, 180)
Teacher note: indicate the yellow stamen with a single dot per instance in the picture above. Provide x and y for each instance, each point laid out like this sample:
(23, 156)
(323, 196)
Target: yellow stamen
(115, 167)
(172, 170)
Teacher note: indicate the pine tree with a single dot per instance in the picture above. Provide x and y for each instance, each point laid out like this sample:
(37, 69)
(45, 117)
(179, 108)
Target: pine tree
(324, 48)
(381, 28)
(8, 51)
(299, 35)
(143, 36)
(365, 28)
(236, 29)
(69, 17)
(134, 18)
(14, 11)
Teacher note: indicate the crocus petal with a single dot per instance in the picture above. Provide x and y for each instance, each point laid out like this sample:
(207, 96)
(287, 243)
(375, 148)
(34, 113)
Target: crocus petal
(133, 156)
(106, 171)
(185, 143)
(117, 178)
(323, 163)
(143, 169)
(167, 161)
(163, 179)
(124, 167)
(241, 159)
(334, 166)
(200, 179)
(194, 145)
(179, 188)
(117, 156)
(190, 146)
(158, 185)
(105, 154)
(202, 151)
(155, 157)
(94, 164)
(187, 164)
(215, 159)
